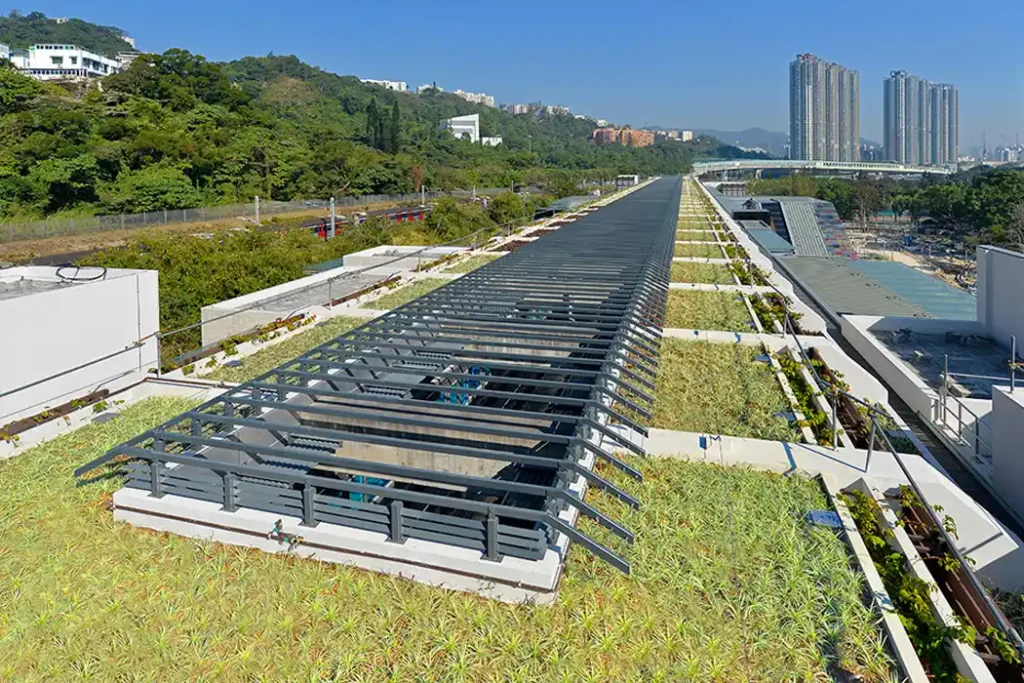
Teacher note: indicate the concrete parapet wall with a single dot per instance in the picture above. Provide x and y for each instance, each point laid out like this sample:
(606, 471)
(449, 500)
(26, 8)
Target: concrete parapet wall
(52, 341)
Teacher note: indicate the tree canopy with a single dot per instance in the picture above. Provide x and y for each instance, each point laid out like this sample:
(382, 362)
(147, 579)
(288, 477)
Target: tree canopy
(980, 205)
(20, 31)
(177, 131)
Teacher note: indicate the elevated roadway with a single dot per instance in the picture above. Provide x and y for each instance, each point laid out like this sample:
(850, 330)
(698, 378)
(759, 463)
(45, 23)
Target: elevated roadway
(723, 165)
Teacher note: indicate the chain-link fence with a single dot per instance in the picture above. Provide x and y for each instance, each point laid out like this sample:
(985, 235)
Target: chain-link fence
(254, 212)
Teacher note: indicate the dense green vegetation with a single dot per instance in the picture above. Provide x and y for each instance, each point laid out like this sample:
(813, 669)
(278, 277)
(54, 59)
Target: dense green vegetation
(729, 583)
(197, 271)
(22, 31)
(719, 389)
(176, 131)
(983, 205)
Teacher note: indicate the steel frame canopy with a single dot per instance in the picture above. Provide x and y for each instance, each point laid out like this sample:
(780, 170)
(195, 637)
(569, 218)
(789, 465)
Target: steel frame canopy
(462, 417)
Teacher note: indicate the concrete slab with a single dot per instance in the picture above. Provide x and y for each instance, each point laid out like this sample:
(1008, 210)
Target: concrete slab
(510, 580)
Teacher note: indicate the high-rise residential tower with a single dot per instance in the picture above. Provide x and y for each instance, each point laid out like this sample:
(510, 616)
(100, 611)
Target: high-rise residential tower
(920, 120)
(824, 110)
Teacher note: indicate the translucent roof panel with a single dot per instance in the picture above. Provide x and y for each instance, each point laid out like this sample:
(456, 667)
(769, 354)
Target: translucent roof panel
(939, 298)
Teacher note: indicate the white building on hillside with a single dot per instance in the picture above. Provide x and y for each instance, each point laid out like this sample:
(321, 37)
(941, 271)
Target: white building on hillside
(397, 86)
(51, 62)
(464, 127)
(428, 86)
(5, 51)
(468, 128)
(476, 97)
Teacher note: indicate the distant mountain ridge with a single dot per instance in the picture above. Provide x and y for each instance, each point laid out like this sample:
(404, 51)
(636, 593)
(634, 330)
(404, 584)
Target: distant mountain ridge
(22, 31)
(768, 140)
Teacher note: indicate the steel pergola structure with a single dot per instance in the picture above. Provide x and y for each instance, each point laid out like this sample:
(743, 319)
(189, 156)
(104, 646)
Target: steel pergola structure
(462, 417)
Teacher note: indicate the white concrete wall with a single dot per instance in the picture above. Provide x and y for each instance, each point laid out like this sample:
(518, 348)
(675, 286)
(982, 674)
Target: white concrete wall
(907, 385)
(1000, 293)
(1008, 445)
(50, 332)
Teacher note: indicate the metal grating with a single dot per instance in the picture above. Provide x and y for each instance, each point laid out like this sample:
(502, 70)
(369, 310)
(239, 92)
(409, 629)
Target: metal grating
(803, 229)
(461, 417)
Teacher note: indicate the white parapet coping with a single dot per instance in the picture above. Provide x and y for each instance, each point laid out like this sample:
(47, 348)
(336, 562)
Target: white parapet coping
(968, 662)
(105, 410)
(899, 642)
(695, 259)
(706, 287)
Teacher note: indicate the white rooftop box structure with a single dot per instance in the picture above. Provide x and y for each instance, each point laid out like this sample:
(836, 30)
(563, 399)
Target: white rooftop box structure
(70, 331)
(464, 127)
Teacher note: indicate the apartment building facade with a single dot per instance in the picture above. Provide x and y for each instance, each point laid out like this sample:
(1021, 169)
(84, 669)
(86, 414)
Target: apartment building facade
(824, 110)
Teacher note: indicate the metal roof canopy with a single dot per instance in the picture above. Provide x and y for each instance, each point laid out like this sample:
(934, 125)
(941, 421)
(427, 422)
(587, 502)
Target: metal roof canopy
(461, 417)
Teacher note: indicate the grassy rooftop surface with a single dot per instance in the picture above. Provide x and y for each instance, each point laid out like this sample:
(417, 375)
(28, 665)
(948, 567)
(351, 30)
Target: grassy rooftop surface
(729, 583)
(699, 251)
(269, 358)
(407, 293)
(701, 273)
(701, 310)
(719, 389)
(472, 263)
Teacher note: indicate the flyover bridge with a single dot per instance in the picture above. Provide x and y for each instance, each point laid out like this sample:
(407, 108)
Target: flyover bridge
(724, 165)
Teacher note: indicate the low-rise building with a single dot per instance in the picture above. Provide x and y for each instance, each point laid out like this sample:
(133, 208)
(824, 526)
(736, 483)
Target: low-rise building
(605, 136)
(397, 86)
(468, 128)
(517, 108)
(464, 127)
(426, 87)
(59, 62)
(476, 97)
(636, 138)
(625, 136)
(554, 109)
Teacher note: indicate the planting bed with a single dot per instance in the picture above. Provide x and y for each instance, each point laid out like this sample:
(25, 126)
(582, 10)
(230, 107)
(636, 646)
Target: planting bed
(701, 273)
(472, 263)
(819, 422)
(514, 245)
(272, 356)
(719, 389)
(728, 584)
(699, 251)
(697, 310)
(910, 594)
(404, 295)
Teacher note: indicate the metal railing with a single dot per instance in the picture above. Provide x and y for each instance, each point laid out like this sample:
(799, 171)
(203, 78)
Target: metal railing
(974, 424)
(878, 419)
(253, 211)
(553, 324)
(471, 241)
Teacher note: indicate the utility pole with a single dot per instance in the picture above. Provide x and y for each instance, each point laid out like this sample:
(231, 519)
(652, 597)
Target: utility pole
(332, 231)
(257, 210)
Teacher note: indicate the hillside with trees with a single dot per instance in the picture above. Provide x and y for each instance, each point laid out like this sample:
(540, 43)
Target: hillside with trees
(20, 32)
(176, 131)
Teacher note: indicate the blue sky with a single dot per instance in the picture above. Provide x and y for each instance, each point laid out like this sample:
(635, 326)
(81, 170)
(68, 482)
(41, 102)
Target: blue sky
(689, 64)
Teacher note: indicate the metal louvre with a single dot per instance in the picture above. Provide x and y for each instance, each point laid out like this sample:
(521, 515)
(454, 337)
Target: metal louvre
(461, 417)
